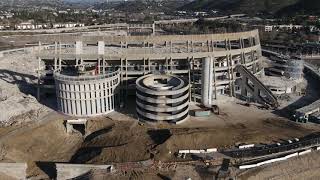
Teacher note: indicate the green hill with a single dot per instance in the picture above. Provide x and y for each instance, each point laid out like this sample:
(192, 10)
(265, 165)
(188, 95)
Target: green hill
(27, 3)
(302, 7)
(255, 6)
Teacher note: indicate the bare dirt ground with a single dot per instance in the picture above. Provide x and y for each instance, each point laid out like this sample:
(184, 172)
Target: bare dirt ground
(114, 140)
(17, 87)
(118, 138)
(306, 167)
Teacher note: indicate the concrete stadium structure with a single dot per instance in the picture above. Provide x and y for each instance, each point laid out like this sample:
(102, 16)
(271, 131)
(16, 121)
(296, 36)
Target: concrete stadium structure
(162, 98)
(136, 56)
(282, 65)
(86, 95)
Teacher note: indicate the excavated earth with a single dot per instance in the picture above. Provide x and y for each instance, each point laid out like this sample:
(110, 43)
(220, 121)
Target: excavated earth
(112, 141)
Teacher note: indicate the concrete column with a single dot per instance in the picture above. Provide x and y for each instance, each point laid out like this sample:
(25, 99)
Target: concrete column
(191, 46)
(103, 95)
(107, 96)
(187, 46)
(101, 48)
(93, 98)
(98, 95)
(83, 97)
(212, 46)
(64, 93)
(206, 81)
(214, 78)
(189, 76)
(72, 99)
(68, 96)
(55, 48)
(79, 47)
(77, 97)
(230, 73)
(103, 66)
(59, 99)
(88, 99)
(153, 29)
(55, 63)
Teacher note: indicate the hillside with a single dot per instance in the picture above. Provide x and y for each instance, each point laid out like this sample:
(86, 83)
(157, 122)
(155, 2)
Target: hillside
(145, 5)
(31, 3)
(303, 6)
(283, 7)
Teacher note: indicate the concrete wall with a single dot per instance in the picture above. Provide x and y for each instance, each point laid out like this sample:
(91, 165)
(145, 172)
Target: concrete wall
(63, 171)
(86, 95)
(14, 170)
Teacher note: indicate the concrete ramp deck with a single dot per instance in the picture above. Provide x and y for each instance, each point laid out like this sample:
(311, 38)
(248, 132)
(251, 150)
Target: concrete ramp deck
(256, 88)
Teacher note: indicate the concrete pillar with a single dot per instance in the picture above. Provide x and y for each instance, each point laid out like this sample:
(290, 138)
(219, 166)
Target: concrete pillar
(79, 47)
(64, 95)
(55, 47)
(107, 97)
(153, 29)
(83, 97)
(68, 97)
(72, 98)
(93, 98)
(103, 95)
(187, 46)
(77, 97)
(98, 96)
(206, 81)
(214, 78)
(101, 46)
(88, 99)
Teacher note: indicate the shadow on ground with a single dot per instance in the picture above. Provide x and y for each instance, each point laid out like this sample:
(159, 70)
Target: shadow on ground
(26, 85)
(312, 95)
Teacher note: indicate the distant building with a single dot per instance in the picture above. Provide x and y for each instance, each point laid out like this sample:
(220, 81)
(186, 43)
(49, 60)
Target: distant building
(268, 28)
(200, 13)
(67, 25)
(282, 27)
(63, 12)
(313, 18)
(8, 15)
(32, 26)
(287, 27)
(25, 26)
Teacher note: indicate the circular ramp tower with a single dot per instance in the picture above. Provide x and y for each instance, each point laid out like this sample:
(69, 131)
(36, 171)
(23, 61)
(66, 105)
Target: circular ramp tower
(294, 68)
(88, 95)
(162, 98)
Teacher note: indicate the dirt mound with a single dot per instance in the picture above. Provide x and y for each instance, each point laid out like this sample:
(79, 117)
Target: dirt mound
(267, 131)
(18, 89)
(35, 172)
(109, 141)
(297, 168)
(118, 142)
(48, 142)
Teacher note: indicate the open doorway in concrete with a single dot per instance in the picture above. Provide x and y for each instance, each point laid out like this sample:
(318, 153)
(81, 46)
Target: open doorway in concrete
(78, 125)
